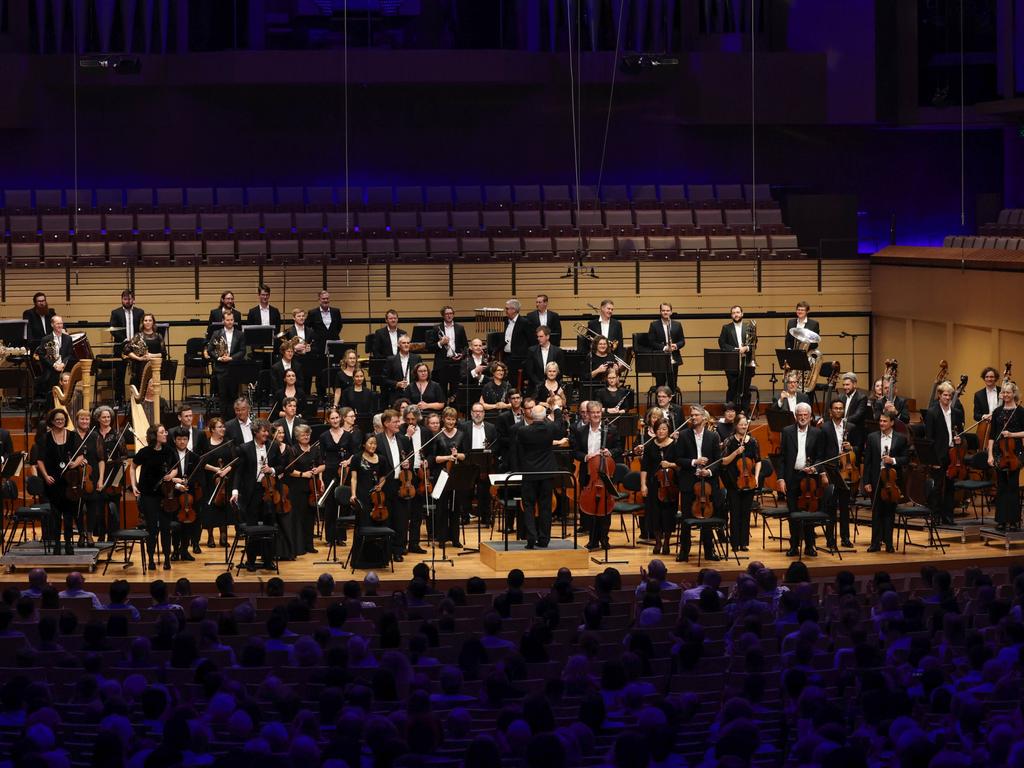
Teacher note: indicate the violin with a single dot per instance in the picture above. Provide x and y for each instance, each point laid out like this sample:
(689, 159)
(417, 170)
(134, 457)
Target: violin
(316, 489)
(849, 469)
(1006, 447)
(286, 499)
(746, 480)
(594, 498)
(186, 506)
(406, 482)
(78, 482)
(703, 499)
(270, 489)
(888, 483)
(811, 491)
(220, 495)
(668, 490)
(379, 502)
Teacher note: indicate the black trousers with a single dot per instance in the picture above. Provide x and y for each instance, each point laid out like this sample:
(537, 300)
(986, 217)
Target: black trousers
(685, 533)
(1007, 497)
(414, 509)
(839, 508)
(739, 517)
(739, 387)
(883, 519)
(598, 527)
(792, 494)
(158, 523)
(945, 496)
(668, 378)
(447, 375)
(537, 494)
(398, 521)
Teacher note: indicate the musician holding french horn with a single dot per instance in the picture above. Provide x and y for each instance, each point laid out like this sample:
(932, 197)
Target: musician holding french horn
(143, 346)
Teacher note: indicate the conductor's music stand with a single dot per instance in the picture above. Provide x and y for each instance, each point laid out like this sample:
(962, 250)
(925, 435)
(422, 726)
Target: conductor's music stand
(464, 479)
(242, 373)
(13, 333)
(654, 363)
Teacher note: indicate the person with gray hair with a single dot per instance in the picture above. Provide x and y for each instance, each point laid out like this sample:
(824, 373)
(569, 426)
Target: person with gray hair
(857, 409)
(520, 334)
(802, 447)
(533, 454)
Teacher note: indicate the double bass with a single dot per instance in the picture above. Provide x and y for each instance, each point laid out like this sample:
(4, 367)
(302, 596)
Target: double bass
(891, 370)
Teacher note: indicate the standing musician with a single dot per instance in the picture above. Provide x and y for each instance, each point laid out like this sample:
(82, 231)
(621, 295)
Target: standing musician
(546, 317)
(360, 397)
(534, 452)
(443, 454)
(519, 333)
(667, 335)
(801, 321)
(883, 448)
(480, 435)
(56, 353)
(145, 345)
(324, 321)
(337, 447)
(151, 460)
(302, 340)
(837, 441)
(673, 413)
(415, 433)
(395, 452)
(856, 410)
(602, 360)
(225, 346)
(109, 519)
(240, 428)
(263, 313)
(661, 453)
(225, 309)
(424, 392)
(289, 389)
(592, 438)
(802, 447)
(344, 374)
(291, 420)
(739, 336)
(1007, 423)
(606, 325)
(186, 418)
(942, 425)
(398, 370)
(367, 471)
(180, 465)
(496, 393)
(304, 480)
(726, 426)
(895, 406)
(613, 398)
(698, 447)
(95, 459)
(384, 343)
(256, 460)
(215, 512)
(38, 317)
(541, 355)
(127, 316)
(740, 446)
(473, 368)
(550, 385)
(791, 395)
(511, 418)
(987, 399)
(448, 342)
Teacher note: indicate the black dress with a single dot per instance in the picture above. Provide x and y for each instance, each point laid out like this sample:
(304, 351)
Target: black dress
(661, 515)
(342, 380)
(154, 346)
(215, 515)
(152, 465)
(740, 501)
(543, 393)
(94, 454)
(298, 526)
(55, 457)
(495, 393)
(332, 453)
(300, 402)
(432, 393)
(620, 398)
(110, 519)
(362, 401)
(446, 525)
(367, 477)
(1007, 483)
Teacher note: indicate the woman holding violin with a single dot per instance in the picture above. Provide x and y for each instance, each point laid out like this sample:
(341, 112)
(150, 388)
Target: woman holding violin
(365, 478)
(447, 450)
(59, 445)
(1004, 454)
(305, 481)
(215, 509)
(338, 444)
(151, 460)
(86, 480)
(109, 518)
(659, 485)
(741, 473)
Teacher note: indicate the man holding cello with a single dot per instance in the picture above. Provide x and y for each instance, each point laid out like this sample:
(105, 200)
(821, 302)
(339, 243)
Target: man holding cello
(699, 451)
(594, 446)
(802, 448)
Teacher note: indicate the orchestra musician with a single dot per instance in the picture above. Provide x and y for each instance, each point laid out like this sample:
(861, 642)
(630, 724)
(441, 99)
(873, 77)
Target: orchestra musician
(1007, 422)
(673, 413)
(290, 389)
(497, 392)
(360, 397)
(304, 466)
(256, 459)
(889, 448)
(217, 315)
(511, 418)
(398, 370)
(740, 445)
(595, 437)
(324, 321)
(264, 313)
(448, 342)
(546, 317)
(613, 398)
(837, 441)
(474, 366)
(698, 447)
(366, 474)
(108, 518)
(738, 336)
(988, 398)
(343, 376)
(791, 395)
(339, 443)
(533, 452)
(303, 340)
(606, 325)
(127, 316)
(415, 433)
(180, 465)
(661, 453)
(240, 429)
(145, 345)
(481, 435)
(89, 504)
(56, 353)
(291, 420)
(726, 425)
(856, 410)
(541, 355)
(225, 346)
(942, 425)
(802, 447)
(895, 406)
(801, 321)
(550, 385)
(395, 452)
(152, 460)
(195, 442)
(425, 392)
(285, 363)
(447, 450)
(602, 360)
(38, 318)
(215, 512)
(519, 333)
(666, 334)
(384, 343)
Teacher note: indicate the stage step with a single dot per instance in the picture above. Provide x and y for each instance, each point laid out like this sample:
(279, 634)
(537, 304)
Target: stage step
(558, 553)
(30, 554)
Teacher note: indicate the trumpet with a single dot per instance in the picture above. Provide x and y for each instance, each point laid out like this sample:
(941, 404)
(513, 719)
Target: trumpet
(593, 336)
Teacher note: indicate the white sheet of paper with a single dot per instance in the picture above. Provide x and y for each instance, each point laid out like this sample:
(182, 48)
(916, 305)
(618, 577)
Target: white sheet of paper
(442, 481)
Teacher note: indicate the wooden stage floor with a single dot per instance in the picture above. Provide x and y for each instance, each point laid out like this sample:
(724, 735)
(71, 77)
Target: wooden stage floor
(540, 565)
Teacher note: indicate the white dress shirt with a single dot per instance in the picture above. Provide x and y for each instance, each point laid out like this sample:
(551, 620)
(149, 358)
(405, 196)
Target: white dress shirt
(395, 455)
(947, 414)
(403, 361)
(698, 438)
(544, 356)
(325, 316)
(264, 316)
(393, 335)
(477, 361)
(667, 328)
(228, 336)
(993, 398)
(479, 437)
(606, 326)
(246, 428)
(449, 331)
(508, 333)
(801, 449)
(261, 461)
(791, 401)
(738, 330)
(885, 441)
(542, 318)
(129, 326)
(593, 440)
(182, 455)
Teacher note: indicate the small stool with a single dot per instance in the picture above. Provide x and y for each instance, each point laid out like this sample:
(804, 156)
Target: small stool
(975, 492)
(803, 520)
(23, 517)
(127, 538)
(716, 526)
(377, 532)
(251, 536)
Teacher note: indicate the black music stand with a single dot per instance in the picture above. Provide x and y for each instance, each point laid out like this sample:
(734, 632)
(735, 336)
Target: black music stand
(463, 479)
(779, 419)
(258, 336)
(727, 361)
(376, 372)
(495, 342)
(794, 359)
(13, 332)
(242, 372)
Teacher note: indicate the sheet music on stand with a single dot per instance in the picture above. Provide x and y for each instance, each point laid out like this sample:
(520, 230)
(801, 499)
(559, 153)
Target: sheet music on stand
(439, 485)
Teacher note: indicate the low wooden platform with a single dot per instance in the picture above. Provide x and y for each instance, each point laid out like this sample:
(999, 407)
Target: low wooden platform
(558, 554)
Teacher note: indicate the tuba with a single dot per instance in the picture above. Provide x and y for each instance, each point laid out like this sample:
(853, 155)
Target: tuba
(804, 338)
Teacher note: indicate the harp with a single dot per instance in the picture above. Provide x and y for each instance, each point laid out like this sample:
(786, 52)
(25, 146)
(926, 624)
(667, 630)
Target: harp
(143, 412)
(78, 391)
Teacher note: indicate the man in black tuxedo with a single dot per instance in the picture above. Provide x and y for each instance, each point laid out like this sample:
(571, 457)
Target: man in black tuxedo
(473, 370)
(733, 338)
(240, 429)
(183, 464)
(698, 447)
(673, 413)
(837, 442)
(127, 317)
(943, 424)
(227, 307)
(480, 435)
(987, 399)
(534, 452)
(264, 313)
(287, 362)
(290, 420)
(802, 447)
(255, 459)
(544, 316)
(856, 404)
(394, 450)
(540, 355)
(38, 318)
(509, 419)
(519, 336)
(384, 343)
(801, 321)
(398, 370)
(448, 342)
(605, 325)
(886, 446)
(666, 335)
(53, 365)
(791, 395)
(593, 438)
(325, 323)
(195, 441)
(233, 342)
(896, 406)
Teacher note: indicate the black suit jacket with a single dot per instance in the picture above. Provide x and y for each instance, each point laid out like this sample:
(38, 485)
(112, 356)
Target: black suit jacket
(440, 353)
(535, 367)
(832, 447)
(873, 456)
(465, 374)
(554, 324)
(217, 316)
(393, 370)
(380, 346)
(386, 467)
(935, 429)
(656, 337)
(801, 397)
(277, 372)
(37, 326)
(614, 329)
(533, 450)
(233, 432)
(809, 324)
(902, 411)
(198, 440)
(253, 317)
(856, 413)
(490, 434)
(289, 438)
(117, 320)
(578, 437)
(524, 335)
(236, 348)
(244, 477)
(981, 404)
(324, 334)
(66, 356)
(814, 450)
(686, 445)
(727, 339)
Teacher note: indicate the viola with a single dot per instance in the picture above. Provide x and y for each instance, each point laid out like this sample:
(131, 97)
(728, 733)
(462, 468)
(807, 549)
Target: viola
(849, 469)
(78, 483)
(668, 489)
(888, 484)
(746, 480)
(316, 488)
(187, 506)
(703, 499)
(270, 489)
(406, 483)
(168, 497)
(379, 513)
(1009, 459)
(286, 499)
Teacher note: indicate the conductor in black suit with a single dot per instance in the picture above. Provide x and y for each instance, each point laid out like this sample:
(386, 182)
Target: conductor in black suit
(886, 446)
(255, 459)
(801, 321)
(606, 325)
(544, 316)
(666, 335)
(53, 365)
(232, 341)
(588, 439)
(534, 452)
(519, 337)
(227, 307)
(539, 356)
(384, 343)
(803, 446)
(38, 318)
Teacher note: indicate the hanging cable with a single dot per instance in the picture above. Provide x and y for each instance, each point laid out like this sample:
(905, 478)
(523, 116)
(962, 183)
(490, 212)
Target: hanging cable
(575, 136)
(753, 124)
(74, 117)
(963, 125)
(611, 96)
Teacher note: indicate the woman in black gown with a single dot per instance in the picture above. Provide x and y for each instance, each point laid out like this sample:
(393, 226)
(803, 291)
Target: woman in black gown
(494, 395)
(152, 461)
(448, 448)
(660, 453)
(424, 392)
(613, 398)
(306, 467)
(740, 500)
(109, 518)
(345, 374)
(336, 447)
(215, 511)
(1007, 421)
(154, 343)
(359, 397)
(89, 508)
(290, 388)
(59, 444)
(364, 478)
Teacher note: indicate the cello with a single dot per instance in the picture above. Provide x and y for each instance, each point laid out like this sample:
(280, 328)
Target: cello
(594, 498)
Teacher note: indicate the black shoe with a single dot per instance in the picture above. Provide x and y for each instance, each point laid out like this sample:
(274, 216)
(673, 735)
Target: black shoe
(417, 551)
(167, 565)
(186, 556)
(69, 549)
(457, 544)
(792, 552)
(210, 544)
(889, 550)
(542, 544)
(152, 565)
(846, 544)
(593, 545)
(197, 550)
(313, 551)
(252, 567)
(712, 557)
(744, 549)
(398, 558)
(265, 566)
(681, 558)
(530, 545)
(1001, 527)
(874, 548)
(810, 552)
(223, 543)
